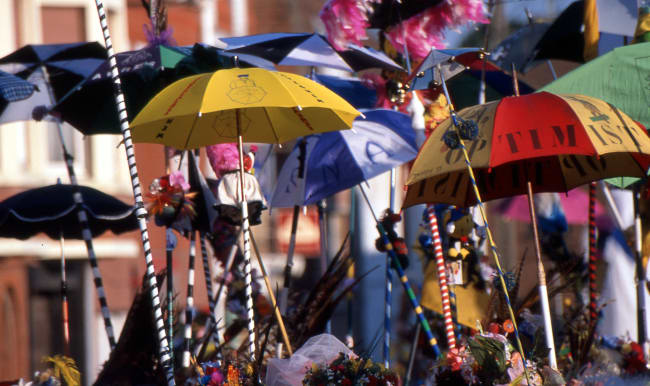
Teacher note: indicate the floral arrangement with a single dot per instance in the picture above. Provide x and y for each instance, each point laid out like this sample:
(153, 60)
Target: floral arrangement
(348, 370)
(169, 198)
(231, 374)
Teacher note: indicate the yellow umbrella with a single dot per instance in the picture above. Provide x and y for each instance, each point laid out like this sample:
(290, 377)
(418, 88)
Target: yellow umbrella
(256, 104)
(264, 106)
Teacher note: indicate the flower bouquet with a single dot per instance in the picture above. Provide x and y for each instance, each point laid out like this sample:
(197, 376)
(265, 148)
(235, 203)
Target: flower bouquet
(348, 370)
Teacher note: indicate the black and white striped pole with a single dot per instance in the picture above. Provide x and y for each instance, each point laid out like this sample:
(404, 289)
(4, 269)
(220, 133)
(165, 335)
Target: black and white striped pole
(189, 303)
(141, 212)
(82, 217)
(207, 272)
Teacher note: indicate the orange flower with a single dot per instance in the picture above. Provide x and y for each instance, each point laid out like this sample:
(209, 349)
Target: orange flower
(508, 326)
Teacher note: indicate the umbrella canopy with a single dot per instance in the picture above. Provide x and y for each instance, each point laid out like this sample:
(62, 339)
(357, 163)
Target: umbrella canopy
(52, 210)
(452, 62)
(261, 106)
(556, 142)
(353, 90)
(305, 49)
(618, 77)
(14, 89)
(90, 108)
(66, 65)
(339, 160)
(465, 87)
(562, 39)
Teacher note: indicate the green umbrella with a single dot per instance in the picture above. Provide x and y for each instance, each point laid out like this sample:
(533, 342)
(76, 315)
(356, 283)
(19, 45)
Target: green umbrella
(620, 77)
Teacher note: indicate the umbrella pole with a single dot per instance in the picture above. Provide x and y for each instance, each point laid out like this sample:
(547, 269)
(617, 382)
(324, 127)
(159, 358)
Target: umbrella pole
(86, 234)
(189, 303)
(141, 212)
(640, 276)
(593, 304)
(227, 266)
(442, 276)
(414, 346)
(247, 248)
(543, 294)
(493, 245)
(611, 204)
(170, 241)
(64, 301)
(403, 278)
(207, 272)
(274, 303)
(322, 227)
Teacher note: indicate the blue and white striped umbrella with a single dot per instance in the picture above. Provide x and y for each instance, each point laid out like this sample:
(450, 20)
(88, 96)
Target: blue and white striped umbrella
(336, 161)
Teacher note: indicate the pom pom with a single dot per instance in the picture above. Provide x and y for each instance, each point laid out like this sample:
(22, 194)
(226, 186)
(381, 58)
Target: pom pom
(450, 138)
(468, 129)
(425, 240)
(346, 21)
(223, 157)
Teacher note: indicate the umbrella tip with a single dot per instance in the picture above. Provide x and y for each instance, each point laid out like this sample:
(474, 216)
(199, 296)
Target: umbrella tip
(362, 115)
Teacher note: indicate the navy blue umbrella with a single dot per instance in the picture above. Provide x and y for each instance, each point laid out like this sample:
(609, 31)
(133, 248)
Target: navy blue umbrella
(52, 210)
(309, 49)
(55, 68)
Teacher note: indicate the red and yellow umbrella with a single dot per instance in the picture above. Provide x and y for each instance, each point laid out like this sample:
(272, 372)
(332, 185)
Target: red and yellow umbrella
(556, 142)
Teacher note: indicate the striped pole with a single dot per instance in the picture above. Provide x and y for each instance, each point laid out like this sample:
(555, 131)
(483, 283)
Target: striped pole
(454, 310)
(433, 342)
(442, 276)
(593, 313)
(387, 312)
(189, 303)
(248, 279)
(82, 217)
(493, 246)
(141, 212)
(64, 302)
(214, 337)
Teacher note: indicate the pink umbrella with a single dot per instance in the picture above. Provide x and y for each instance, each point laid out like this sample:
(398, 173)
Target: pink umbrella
(575, 204)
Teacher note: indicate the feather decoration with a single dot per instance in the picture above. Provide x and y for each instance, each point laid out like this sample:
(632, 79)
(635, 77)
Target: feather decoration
(64, 369)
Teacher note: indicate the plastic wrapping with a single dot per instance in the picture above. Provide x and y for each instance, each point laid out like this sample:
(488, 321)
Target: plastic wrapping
(319, 349)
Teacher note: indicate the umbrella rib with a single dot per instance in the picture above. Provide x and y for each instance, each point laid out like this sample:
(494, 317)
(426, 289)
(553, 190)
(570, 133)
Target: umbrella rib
(268, 118)
(189, 135)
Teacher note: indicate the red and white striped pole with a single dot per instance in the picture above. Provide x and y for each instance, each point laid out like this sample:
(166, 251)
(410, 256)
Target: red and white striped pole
(593, 306)
(442, 276)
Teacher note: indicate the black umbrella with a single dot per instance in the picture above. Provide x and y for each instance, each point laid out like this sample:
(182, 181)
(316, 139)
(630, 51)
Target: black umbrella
(562, 39)
(53, 210)
(64, 64)
(67, 211)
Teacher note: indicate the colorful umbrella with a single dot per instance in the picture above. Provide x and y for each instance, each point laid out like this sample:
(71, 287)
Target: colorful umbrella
(337, 161)
(305, 49)
(256, 104)
(451, 61)
(576, 140)
(618, 77)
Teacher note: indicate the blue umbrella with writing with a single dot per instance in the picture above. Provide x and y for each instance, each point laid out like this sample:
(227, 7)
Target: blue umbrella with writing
(324, 164)
(336, 161)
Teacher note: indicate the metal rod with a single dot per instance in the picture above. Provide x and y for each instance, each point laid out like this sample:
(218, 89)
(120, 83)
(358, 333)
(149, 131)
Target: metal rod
(414, 348)
(170, 241)
(541, 275)
(611, 205)
(269, 288)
